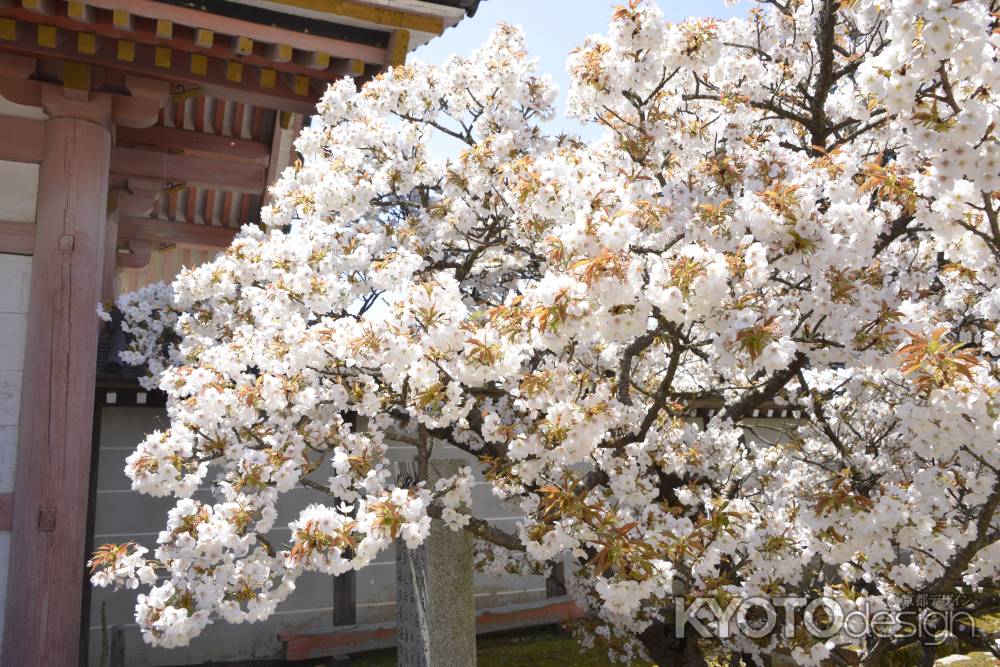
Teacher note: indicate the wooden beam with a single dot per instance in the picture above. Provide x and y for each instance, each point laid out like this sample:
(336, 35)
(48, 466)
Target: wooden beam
(139, 109)
(191, 171)
(197, 144)
(149, 61)
(223, 25)
(182, 233)
(201, 42)
(136, 205)
(17, 238)
(140, 252)
(399, 46)
(385, 17)
(282, 141)
(22, 139)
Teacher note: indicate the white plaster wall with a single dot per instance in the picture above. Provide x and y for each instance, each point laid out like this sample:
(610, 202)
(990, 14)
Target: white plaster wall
(18, 191)
(122, 514)
(15, 279)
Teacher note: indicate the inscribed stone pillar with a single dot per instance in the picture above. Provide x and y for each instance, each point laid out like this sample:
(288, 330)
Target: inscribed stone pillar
(435, 607)
(47, 569)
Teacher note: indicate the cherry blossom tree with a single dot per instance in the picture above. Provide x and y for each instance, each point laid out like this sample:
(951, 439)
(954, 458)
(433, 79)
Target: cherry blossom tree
(797, 210)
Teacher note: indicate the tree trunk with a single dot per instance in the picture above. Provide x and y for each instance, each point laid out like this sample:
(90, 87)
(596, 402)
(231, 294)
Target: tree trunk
(666, 649)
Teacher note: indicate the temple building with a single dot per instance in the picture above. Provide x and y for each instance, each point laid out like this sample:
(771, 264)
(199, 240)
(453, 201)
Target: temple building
(136, 137)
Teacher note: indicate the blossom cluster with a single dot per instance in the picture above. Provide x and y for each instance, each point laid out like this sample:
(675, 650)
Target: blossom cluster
(794, 214)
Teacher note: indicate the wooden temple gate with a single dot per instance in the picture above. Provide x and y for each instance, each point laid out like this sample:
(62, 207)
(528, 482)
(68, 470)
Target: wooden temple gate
(135, 136)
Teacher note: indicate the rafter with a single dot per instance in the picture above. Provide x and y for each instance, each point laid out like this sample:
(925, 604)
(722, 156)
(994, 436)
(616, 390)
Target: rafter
(338, 48)
(146, 31)
(259, 86)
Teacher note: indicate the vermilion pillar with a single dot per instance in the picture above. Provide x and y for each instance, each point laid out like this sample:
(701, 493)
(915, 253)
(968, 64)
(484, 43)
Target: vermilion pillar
(47, 567)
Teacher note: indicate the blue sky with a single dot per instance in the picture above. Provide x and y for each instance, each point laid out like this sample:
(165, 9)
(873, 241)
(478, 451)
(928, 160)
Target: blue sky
(554, 28)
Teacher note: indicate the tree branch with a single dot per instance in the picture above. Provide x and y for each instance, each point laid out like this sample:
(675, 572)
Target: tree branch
(484, 531)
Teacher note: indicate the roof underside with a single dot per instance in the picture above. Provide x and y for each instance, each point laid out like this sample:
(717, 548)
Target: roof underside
(368, 22)
(243, 74)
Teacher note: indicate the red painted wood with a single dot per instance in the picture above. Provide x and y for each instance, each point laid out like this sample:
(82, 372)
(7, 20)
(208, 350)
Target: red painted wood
(237, 128)
(17, 238)
(213, 84)
(195, 144)
(179, 107)
(257, 31)
(558, 612)
(172, 204)
(175, 232)
(199, 114)
(365, 638)
(246, 213)
(192, 171)
(227, 209)
(191, 206)
(144, 32)
(257, 128)
(304, 647)
(57, 399)
(219, 122)
(209, 207)
(21, 139)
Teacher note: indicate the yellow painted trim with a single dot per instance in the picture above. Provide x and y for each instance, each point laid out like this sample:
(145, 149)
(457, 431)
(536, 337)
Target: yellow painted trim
(199, 64)
(320, 60)
(162, 57)
(399, 46)
(86, 42)
(76, 76)
(121, 19)
(47, 36)
(204, 38)
(243, 46)
(126, 50)
(300, 85)
(356, 67)
(79, 11)
(37, 6)
(268, 77)
(392, 18)
(164, 29)
(8, 29)
(234, 71)
(281, 53)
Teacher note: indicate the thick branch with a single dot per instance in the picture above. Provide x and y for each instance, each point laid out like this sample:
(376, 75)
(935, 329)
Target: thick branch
(956, 566)
(754, 399)
(625, 366)
(484, 531)
(825, 38)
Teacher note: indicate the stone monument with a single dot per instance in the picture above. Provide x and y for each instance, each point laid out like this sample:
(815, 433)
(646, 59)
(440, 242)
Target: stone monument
(435, 607)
